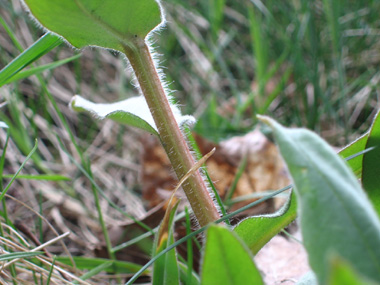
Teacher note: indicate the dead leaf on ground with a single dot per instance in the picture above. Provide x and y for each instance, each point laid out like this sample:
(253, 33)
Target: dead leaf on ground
(264, 170)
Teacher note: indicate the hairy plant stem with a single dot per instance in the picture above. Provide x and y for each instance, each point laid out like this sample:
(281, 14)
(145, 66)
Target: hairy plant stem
(171, 136)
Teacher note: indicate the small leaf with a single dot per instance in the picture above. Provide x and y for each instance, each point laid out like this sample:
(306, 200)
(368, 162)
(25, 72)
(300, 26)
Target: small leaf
(371, 170)
(354, 148)
(108, 24)
(226, 261)
(133, 112)
(166, 268)
(258, 230)
(336, 215)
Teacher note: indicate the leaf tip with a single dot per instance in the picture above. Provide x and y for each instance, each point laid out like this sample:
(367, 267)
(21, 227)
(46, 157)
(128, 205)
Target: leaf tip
(266, 120)
(72, 103)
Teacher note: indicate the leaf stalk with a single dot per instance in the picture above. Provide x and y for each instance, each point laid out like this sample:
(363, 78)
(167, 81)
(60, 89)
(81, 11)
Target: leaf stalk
(171, 136)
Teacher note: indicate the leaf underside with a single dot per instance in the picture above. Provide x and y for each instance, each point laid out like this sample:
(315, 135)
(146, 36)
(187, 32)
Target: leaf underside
(133, 112)
(108, 24)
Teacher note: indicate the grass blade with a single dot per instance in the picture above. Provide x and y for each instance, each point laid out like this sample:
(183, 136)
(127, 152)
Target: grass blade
(41, 47)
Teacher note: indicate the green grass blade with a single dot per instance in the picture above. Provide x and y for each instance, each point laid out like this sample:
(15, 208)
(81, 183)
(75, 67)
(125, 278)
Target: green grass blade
(51, 271)
(45, 177)
(16, 255)
(18, 171)
(96, 270)
(88, 263)
(45, 44)
(39, 69)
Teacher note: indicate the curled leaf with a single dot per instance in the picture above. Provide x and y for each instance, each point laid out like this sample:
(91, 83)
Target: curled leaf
(133, 112)
(256, 231)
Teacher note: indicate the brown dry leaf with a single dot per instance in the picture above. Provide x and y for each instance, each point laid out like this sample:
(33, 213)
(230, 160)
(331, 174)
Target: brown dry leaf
(264, 171)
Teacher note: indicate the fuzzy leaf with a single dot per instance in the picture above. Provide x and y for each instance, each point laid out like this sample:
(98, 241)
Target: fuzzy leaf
(336, 215)
(371, 170)
(133, 112)
(226, 261)
(108, 24)
(258, 230)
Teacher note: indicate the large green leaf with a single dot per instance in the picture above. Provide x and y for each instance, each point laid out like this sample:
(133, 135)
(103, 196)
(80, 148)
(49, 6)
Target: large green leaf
(109, 24)
(371, 165)
(133, 112)
(336, 215)
(226, 261)
(258, 230)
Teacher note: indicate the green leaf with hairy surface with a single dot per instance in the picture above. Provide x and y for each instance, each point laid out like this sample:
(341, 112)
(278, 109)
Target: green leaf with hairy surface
(109, 24)
(133, 112)
(371, 169)
(258, 230)
(336, 215)
(226, 261)
(166, 268)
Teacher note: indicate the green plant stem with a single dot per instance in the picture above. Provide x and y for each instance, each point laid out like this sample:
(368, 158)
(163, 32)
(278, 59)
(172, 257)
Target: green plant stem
(171, 136)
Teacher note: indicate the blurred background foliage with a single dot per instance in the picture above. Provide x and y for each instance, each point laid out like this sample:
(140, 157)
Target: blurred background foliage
(306, 63)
